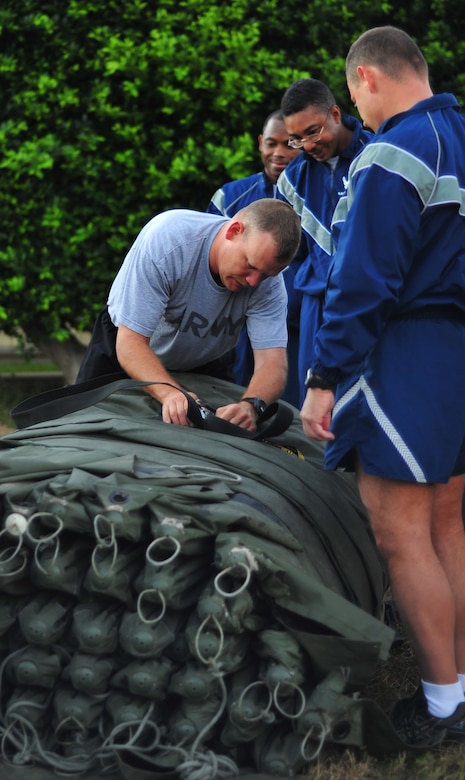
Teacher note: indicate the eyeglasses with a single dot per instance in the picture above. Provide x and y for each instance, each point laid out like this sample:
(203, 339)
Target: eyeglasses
(298, 143)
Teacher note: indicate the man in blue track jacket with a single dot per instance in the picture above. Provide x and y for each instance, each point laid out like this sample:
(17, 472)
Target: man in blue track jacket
(313, 184)
(390, 352)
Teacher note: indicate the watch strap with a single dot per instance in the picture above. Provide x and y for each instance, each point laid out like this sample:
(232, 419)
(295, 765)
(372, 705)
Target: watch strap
(316, 381)
(258, 404)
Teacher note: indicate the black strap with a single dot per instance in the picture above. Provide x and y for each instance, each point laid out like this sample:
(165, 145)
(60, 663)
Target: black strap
(64, 400)
(56, 403)
(275, 420)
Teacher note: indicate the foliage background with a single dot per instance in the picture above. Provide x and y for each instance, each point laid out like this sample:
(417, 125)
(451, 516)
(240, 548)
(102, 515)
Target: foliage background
(114, 111)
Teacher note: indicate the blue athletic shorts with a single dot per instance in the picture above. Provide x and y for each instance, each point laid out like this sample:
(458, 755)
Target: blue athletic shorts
(404, 412)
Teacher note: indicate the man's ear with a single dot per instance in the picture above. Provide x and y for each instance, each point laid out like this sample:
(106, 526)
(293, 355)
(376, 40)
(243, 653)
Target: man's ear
(235, 228)
(336, 114)
(368, 75)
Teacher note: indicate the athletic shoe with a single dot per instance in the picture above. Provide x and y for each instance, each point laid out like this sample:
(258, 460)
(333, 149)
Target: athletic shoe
(455, 732)
(416, 726)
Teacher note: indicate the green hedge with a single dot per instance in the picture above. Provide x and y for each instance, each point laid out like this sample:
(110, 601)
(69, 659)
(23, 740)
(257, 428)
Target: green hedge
(113, 111)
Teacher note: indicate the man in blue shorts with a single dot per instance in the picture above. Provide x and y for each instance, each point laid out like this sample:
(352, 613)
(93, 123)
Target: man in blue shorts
(386, 389)
(276, 154)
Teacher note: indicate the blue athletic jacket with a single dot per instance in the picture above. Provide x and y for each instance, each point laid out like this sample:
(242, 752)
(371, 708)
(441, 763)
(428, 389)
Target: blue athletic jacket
(400, 233)
(234, 195)
(313, 190)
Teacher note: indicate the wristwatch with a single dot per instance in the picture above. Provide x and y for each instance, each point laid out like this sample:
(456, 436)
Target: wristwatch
(315, 381)
(258, 404)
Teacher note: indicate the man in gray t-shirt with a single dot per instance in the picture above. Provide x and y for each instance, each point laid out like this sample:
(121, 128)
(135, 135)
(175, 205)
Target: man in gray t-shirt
(182, 295)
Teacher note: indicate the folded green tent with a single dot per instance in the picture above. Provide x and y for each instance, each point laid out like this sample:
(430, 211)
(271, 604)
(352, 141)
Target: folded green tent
(181, 602)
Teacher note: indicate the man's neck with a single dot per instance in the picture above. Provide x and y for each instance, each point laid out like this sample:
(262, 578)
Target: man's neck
(214, 251)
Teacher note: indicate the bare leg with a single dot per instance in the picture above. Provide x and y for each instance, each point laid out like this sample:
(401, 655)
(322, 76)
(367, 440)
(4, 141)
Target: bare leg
(402, 515)
(448, 535)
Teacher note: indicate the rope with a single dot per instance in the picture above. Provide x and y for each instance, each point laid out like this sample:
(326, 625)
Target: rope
(266, 715)
(324, 731)
(201, 765)
(161, 598)
(156, 543)
(104, 543)
(231, 593)
(43, 540)
(207, 766)
(296, 689)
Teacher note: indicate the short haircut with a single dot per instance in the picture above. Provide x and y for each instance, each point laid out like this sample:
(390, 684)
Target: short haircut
(278, 115)
(307, 92)
(387, 48)
(269, 215)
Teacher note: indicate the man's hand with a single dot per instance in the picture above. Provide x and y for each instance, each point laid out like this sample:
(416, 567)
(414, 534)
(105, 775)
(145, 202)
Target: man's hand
(174, 408)
(241, 414)
(316, 414)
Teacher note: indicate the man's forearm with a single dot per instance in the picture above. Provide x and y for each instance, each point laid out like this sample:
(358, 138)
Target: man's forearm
(270, 375)
(139, 361)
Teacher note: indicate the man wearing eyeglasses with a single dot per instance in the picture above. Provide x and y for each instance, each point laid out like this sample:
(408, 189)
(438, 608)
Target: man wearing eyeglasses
(313, 184)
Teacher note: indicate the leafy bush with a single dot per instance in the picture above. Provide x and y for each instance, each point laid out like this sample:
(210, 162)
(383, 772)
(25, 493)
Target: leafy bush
(112, 112)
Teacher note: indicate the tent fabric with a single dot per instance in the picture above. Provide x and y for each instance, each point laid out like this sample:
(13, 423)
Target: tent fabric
(182, 602)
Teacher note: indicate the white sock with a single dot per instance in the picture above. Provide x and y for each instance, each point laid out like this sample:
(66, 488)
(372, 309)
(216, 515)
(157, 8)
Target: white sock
(443, 700)
(462, 680)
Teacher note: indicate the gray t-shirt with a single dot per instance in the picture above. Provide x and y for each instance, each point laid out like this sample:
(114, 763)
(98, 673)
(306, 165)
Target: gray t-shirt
(165, 290)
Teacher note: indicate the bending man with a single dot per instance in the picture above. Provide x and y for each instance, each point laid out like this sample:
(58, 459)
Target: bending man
(182, 295)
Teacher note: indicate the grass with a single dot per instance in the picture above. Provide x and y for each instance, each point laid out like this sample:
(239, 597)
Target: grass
(394, 679)
(15, 367)
(448, 765)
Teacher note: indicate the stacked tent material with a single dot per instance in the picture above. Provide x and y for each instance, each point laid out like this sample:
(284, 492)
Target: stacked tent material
(180, 603)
